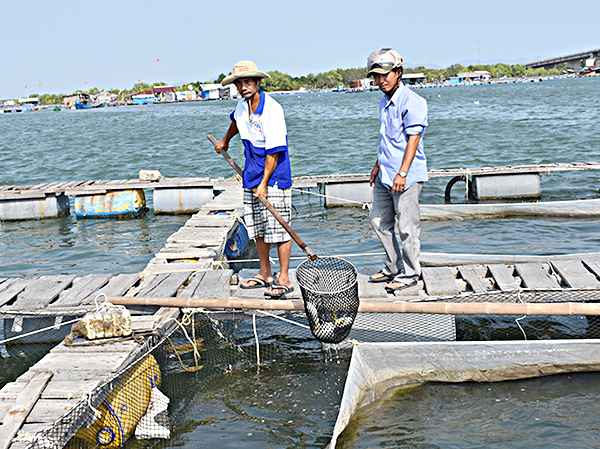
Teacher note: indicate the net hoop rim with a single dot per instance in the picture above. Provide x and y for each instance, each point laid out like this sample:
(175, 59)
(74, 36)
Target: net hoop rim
(354, 271)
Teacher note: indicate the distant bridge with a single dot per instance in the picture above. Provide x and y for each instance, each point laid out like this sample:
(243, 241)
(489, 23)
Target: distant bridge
(573, 61)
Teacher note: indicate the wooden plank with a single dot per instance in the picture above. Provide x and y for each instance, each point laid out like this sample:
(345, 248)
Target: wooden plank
(163, 285)
(439, 281)
(49, 410)
(83, 289)
(535, 275)
(11, 390)
(185, 253)
(475, 277)
(117, 286)
(203, 232)
(11, 288)
(593, 265)
(503, 277)
(43, 291)
(209, 284)
(575, 274)
(167, 268)
(211, 221)
(64, 389)
(197, 243)
(26, 434)
(89, 361)
(115, 346)
(25, 402)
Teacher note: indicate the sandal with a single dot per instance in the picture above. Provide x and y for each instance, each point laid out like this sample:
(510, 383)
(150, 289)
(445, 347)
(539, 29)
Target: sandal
(382, 278)
(258, 283)
(285, 289)
(403, 286)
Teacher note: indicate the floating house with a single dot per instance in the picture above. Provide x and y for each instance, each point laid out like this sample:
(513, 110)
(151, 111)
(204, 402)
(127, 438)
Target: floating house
(105, 99)
(413, 78)
(478, 75)
(165, 94)
(186, 95)
(78, 100)
(365, 83)
(219, 92)
(33, 101)
(146, 97)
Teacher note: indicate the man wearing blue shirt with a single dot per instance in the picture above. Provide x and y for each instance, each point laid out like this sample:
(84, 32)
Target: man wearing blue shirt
(261, 124)
(399, 172)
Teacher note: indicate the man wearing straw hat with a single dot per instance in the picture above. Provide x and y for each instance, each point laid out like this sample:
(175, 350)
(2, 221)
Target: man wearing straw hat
(261, 124)
(399, 172)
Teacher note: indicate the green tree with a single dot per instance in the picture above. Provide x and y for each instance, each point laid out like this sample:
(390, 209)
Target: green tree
(453, 70)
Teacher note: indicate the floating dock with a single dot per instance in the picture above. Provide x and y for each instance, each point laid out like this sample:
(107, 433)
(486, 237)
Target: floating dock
(192, 265)
(187, 195)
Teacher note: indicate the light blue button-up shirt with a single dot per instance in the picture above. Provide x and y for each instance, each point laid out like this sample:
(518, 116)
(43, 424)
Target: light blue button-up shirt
(401, 116)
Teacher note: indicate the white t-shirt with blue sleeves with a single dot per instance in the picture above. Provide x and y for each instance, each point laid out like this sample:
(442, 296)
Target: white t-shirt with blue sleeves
(265, 134)
(401, 116)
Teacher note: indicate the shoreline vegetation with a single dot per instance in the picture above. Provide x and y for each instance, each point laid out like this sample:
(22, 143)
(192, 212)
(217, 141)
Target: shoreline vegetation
(282, 82)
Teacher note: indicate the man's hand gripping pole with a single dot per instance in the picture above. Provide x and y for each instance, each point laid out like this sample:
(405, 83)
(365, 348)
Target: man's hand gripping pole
(309, 252)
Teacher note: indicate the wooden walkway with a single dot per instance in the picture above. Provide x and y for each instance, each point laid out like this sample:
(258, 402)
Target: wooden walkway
(99, 187)
(50, 295)
(185, 268)
(96, 187)
(60, 379)
(315, 181)
(201, 241)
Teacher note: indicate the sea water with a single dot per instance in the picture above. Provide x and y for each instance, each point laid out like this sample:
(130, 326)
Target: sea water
(475, 126)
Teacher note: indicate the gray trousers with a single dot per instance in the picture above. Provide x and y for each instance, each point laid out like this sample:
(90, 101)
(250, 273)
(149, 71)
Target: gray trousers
(404, 263)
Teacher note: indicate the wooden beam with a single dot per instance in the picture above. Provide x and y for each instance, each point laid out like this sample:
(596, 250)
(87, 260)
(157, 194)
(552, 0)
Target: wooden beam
(450, 308)
(18, 413)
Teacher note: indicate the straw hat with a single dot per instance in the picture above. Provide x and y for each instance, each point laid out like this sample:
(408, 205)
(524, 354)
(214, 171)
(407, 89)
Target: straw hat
(244, 69)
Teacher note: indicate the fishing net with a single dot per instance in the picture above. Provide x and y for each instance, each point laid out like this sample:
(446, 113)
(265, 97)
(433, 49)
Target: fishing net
(261, 372)
(330, 291)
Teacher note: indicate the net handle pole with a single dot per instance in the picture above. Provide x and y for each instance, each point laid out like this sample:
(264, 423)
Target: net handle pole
(309, 252)
(444, 308)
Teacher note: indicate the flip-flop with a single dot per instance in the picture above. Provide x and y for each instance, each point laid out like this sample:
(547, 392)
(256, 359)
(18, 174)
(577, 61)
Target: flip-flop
(285, 289)
(258, 283)
(396, 289)
(384, 278)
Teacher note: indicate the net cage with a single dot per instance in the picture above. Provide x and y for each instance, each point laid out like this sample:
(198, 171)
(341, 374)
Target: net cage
(330, 290)
(218, 375)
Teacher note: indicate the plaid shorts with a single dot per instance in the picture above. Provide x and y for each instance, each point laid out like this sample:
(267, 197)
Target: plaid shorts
(260, 222)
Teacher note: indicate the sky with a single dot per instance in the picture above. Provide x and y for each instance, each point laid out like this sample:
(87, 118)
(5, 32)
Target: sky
(64, 44)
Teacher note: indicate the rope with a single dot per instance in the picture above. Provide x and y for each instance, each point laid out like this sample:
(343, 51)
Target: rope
(256, 340)
(38, 331)
(366, 205)
(187, 320)
(283, 319)
(517, 320)
(273, 259)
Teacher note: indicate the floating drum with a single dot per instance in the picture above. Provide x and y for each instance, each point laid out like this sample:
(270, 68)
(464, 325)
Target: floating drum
(181, 200)
(118, 415)
(115, 204)
(505, 186)
(44, 206)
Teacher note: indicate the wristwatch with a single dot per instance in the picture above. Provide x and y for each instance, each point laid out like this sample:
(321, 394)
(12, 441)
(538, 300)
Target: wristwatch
(402, 173)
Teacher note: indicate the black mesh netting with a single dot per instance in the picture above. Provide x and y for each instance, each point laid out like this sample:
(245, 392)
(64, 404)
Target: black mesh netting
(330, 291)
(246, 379)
